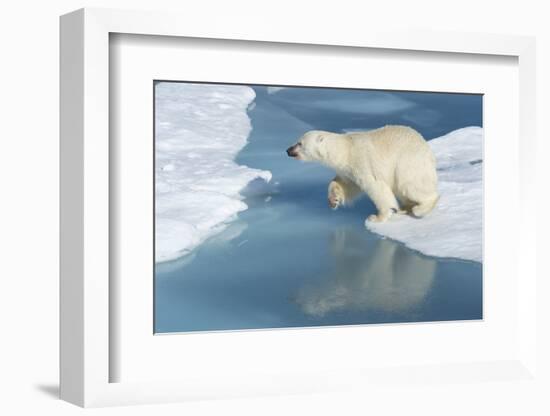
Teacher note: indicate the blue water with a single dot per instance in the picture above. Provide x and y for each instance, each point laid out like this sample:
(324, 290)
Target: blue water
(290, 261)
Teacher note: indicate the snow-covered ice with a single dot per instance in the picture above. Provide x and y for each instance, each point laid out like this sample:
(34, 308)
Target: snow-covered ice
(454, 227)
(199, 131)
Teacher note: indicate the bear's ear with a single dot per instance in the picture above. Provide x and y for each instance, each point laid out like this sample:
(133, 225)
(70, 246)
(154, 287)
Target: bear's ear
(320, 138)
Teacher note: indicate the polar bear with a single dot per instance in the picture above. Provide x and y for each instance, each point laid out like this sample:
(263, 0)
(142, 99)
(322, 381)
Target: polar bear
(393, 165)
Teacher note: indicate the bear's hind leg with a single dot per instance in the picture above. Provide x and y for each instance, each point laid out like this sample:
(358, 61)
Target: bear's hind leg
(405, 206)
(341, 192)
(423, 208)
(422, 196)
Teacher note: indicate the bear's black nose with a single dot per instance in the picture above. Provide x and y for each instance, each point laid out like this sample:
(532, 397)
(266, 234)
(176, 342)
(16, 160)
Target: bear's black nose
(291, 151)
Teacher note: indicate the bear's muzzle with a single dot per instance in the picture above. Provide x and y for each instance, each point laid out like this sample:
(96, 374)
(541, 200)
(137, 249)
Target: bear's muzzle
(292, 151)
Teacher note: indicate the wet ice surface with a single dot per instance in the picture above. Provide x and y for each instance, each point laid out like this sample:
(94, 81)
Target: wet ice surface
(289, 261)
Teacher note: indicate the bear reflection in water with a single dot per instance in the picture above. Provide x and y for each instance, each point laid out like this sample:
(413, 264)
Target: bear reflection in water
(382, 276)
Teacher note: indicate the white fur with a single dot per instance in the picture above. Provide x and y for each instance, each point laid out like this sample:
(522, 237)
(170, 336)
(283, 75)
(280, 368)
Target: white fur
(393, 165)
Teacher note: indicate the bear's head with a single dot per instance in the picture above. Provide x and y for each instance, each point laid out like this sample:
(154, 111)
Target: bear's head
(312, 146)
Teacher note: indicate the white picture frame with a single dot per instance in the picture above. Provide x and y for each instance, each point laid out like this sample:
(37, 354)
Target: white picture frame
(86, 265)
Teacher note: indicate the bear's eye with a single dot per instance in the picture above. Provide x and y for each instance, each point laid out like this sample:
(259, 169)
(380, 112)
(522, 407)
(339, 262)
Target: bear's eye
(299, 144)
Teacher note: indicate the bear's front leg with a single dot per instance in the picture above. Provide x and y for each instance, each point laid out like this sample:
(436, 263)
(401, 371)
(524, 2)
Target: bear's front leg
(384, 200)
(380, 217)
(342, 191)
(335, 195)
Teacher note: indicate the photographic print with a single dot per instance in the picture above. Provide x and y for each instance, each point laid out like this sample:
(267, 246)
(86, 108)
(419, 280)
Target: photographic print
(293, 207)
